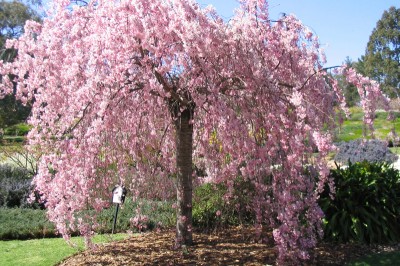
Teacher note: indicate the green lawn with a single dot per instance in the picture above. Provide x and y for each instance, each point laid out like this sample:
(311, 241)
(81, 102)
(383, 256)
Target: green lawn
(395, 150)
(44, 252)
(352, 128)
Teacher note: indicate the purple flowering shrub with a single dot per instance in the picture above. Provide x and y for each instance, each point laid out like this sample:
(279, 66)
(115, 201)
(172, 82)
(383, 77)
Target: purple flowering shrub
(364, 150)
(15, 185)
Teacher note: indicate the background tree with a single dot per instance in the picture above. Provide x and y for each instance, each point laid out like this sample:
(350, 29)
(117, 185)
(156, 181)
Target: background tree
(382, 56)
(137, 92)
(349, 90)
(13, 16)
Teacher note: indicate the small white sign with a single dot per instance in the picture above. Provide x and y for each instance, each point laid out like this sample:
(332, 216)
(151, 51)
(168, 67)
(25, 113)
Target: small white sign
(118, 194)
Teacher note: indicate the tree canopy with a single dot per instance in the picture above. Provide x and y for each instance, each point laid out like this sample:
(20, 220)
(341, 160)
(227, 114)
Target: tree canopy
(139, 92)
(382, 56)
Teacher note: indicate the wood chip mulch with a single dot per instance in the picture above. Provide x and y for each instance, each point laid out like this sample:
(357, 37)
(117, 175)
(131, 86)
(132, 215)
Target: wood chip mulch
(234, 246)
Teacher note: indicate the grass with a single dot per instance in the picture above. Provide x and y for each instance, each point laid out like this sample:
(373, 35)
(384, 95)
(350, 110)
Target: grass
(395, 150)
(352, 127)
(382, 259)
(45, 252)
(350, 130)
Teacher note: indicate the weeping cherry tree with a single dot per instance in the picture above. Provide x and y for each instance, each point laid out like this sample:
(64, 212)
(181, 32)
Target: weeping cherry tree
(139, 92)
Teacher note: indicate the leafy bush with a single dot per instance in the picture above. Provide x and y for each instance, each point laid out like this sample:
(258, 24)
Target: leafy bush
(20, 129)
(360, 150)
(12, 140)
(24, 223)
(384, 115)
(207, 205)
(19, 223)
(366, 207)
(157, 213)
(15, 184)
(210, 210)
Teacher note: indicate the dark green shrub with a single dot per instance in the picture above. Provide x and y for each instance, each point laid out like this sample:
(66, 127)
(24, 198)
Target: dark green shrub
(208, 205)
(10, 140)
(384, 115)
(20, 129)
(19, 223)
(24, 223)
(211, 210)
(151, 214)
(366, 207)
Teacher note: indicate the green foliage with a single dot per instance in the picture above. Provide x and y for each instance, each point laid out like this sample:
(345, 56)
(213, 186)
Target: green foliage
(24, 223)
(8, 140)
(381, 60)
(395, 150)
(211, 210)
(12, 112)
(357, 115)
(158, 213)
(19, 223)
(20, 129)
(384, 115)
(366, 207)
(350, 91)
(207, 201)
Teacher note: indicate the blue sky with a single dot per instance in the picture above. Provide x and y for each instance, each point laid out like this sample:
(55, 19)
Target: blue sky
(343, 26)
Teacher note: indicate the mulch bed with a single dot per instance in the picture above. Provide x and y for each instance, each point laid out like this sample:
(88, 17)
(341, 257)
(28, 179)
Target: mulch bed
(234, 246)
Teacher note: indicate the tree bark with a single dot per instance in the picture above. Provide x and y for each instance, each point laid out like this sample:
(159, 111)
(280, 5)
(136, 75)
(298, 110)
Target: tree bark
(184, 184)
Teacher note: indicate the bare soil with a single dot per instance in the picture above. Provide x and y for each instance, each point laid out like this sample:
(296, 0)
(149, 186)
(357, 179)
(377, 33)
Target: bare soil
(234, 246)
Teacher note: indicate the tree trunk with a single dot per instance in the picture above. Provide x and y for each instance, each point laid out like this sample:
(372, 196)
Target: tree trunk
(184, 185)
